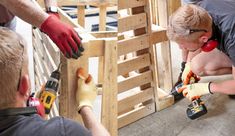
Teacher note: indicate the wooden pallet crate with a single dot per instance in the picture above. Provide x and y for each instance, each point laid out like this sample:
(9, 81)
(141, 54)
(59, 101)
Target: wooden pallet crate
(138, 36)
(130, 87)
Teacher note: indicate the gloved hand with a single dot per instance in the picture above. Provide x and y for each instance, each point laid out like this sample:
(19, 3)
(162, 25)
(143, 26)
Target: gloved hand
(194, 91)
(64, 36)
(86, 91)
(188, 77)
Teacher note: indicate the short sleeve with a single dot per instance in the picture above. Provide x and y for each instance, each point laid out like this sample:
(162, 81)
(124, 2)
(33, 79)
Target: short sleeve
(72, 128)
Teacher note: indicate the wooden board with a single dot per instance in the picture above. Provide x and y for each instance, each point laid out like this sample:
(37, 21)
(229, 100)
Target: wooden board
(132, 22)
(109, 97)
(134, 63)
(124, 4)
(132, 44)
(135, 81)
(129, 102)
(135, 115)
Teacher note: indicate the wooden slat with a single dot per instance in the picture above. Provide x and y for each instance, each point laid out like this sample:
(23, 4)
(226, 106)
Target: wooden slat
(123, 4)
(132, 22)
(133, 44)
(158, 36)
(81, 15)
(68, 87)
(102, 18)
(133, 64)
(163, 102)
(90, 11)
(109, 98)
(95, 48)
(104, 34)
(135, 115)
(39, 70)
(52, 49)
(132, 100)
(132, 82)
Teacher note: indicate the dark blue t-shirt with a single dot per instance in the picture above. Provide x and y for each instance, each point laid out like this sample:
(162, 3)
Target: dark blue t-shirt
(34, 125)
(223, 14)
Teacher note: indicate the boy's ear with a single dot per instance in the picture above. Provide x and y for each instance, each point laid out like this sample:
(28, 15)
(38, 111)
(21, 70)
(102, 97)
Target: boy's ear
(24, 85)
(204, 39)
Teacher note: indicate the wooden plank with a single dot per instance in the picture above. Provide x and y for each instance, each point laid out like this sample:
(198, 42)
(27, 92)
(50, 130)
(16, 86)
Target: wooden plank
(165, 46)
(102, 18)
(67, 2)
(38, 69)
(98, 3)
(123, 4)
(81, 15)
(164, 102)
(135, 81)
(158, 36)
(68, 87)
(109, 98)
(133, 44)
(141, 31)
(173, 5)
(132, 22)
(135, 115)
(104, 34)
(52, 49)
(129, 102)
(154, 12)
(134, 63)
(95, 48)
(91, 11)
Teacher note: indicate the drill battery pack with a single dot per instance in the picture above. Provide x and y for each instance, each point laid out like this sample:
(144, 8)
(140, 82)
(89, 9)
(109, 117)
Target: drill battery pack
(196, 109)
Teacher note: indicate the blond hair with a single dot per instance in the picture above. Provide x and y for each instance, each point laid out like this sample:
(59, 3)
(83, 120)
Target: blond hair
(186, 18)
(11, 62)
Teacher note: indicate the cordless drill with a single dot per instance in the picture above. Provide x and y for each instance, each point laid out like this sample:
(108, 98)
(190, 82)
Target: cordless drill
(197, 108)
(49, 93)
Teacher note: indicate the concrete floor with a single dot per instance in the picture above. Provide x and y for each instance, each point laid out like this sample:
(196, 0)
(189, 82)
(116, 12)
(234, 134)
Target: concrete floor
(219, 121)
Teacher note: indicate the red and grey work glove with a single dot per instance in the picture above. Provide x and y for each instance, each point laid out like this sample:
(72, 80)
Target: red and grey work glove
(64, 36)
(86, 91)
(194, 91)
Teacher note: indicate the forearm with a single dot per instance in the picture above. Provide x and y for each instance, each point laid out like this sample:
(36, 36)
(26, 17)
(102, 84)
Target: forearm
(92, 123)
(184, 55)
(226, 87)
(26, 10)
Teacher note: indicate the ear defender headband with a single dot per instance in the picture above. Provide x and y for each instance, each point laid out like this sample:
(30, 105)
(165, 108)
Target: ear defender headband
(209, 45)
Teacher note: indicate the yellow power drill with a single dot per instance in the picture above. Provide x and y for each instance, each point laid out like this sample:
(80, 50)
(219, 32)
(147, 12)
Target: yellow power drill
(49, 93)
